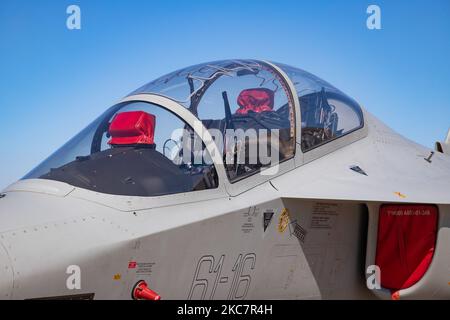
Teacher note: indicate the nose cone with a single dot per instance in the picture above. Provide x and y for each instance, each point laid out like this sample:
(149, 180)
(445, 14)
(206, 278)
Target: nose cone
(6, 275)
(43, 231)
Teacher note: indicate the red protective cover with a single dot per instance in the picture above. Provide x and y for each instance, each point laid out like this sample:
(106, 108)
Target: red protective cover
(131, 128)
(256, 100)
(405, 245)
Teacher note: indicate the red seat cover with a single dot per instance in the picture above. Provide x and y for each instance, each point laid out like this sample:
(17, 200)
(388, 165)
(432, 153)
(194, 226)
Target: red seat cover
(132, 128)
(256, 100)
(405, 245)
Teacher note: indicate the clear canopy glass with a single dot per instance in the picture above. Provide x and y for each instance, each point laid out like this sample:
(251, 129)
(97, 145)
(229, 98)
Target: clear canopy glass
(246, 96)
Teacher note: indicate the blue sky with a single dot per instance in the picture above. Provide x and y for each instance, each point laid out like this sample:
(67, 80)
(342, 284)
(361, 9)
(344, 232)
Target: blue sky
(53, 81)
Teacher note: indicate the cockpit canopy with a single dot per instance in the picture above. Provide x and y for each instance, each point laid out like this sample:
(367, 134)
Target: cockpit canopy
(326, 112)
(140, 148)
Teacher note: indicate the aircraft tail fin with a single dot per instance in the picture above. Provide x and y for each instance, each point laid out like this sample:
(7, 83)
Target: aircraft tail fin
(444, 147)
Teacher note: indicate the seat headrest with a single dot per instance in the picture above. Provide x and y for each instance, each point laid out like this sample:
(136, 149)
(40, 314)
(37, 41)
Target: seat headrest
(132, 128)
(256, 100)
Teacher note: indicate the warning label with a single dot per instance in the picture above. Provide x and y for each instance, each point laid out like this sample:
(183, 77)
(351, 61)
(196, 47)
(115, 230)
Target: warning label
(145, 268)
(248, 226)
(324, 215)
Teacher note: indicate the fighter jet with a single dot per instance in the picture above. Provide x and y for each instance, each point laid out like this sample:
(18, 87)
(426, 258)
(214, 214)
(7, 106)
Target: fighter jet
(236, 179)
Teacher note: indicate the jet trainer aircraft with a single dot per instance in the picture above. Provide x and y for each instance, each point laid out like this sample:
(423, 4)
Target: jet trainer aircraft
(235, 179)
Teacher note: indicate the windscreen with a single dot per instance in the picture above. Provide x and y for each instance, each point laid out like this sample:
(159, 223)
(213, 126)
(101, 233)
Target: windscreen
(135, 149)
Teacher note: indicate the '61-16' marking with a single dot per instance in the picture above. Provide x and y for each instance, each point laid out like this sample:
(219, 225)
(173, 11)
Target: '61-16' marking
(208, 276)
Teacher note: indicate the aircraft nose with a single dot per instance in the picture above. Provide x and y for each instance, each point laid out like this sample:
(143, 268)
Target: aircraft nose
(6, 275)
